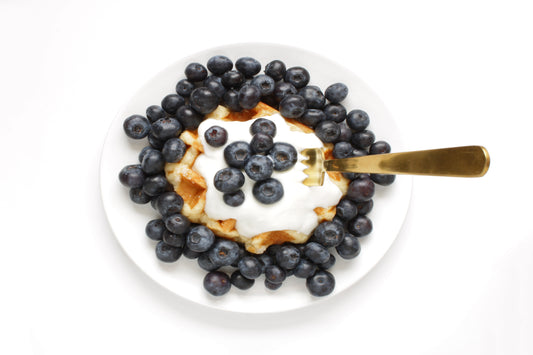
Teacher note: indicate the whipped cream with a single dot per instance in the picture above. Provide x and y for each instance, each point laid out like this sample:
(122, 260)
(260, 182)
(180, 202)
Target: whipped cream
(295, 210)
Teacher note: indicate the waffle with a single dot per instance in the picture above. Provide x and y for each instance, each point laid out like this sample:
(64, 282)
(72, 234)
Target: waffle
(192, 186)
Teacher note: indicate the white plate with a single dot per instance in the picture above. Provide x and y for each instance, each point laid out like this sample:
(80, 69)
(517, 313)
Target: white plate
(184, 278)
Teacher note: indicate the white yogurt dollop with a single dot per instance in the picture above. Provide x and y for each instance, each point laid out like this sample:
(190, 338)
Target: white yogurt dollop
(295, 210)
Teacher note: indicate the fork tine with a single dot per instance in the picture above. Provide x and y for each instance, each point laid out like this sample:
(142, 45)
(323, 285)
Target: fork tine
(315, 162)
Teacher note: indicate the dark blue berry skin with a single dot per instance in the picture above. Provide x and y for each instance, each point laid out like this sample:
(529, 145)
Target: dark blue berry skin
(169, 203)
(171, 103)
(383, 179)
(283, 155)
(364, 207)
(261, 143)
(328, 264)
(205, 263)
(167, 253)
(224, 252)
(214, 83)
(265, 84)
(297, 76)
(176, 240)
(273, 249)
(276, 70)
(357, 120)
(143, 152)
(329, 234)
(217, 283)
(231, 100)
(250, 267)
(216, 136)
(337, 92)
(203, 100)
(342, 150)
(155, 112)
(288, 256)
(346, 132)
(242, 254)
(153, 162)
(228, 180)
(335, 112)
(292, 106)
(259, 167)
(189, 254)
(327, 131)
(268, 191)
(249, 96)
(195, 72)
(283, 89)
(233, 199)
(312, 117)
(241, 282)
(136, 126)
(304, 269)
(200, 239)
(272, 286)
(346, 209)
(155, 185)
(237, 153)
(349, 248)
(219, 64)
(232, 79)
(248, 66)
(361, 189)
(313, 96)
(155, 142)
(184, 87)
(317, 253)
(360, 226)
(173, 150)
(177, 223)
(138, 196)
(155, 228)
(263, 125)
(363, 139)
(131, 176)
(166, 128)
(188, 117)
(275, 274)
(271, 101)
(265, 260)
(321, 283)
(380, 147)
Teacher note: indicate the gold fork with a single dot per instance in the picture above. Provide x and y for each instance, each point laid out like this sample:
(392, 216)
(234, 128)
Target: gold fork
(468, 161)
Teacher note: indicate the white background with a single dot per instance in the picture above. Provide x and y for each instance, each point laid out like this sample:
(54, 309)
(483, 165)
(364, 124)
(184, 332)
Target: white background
(457, 280)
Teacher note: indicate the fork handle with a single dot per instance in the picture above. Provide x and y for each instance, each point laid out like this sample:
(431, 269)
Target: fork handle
(468, 161)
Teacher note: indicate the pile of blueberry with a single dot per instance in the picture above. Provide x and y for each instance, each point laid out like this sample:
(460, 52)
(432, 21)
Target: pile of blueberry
(242, 88)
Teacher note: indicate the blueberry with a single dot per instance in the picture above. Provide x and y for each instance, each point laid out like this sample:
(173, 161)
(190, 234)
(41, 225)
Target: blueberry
(265, 84)
(200, 239)
(364, 207)
(189, 254)
(249, 96)
(283, 89)
(292, 106)
(312, 117)
(335, 112)
(138, 196)
(219, 64)
(205, 263)
(155, 228)
(184, 87)
(166, 128)
(320, 284)
(328, 264)
(283, 155)
(155, 142)
(363, 139)
(173, 150)
(304, 269)
(231, 100)
(313, 96)
(167, 253)
(259, 167)
(357, 120)
(136, 126)
(171, 103)
(273, 249)
(315, 252)
(276, 70)
(263, 125)
(195, 72)
(250, 267)
(214, 83)
(242, 253)
(177, 223)
(380, 147)
(217, 283)
(360, 226)
(297, 76)
(237, 153)
(361, 189)
(153, 162)
(131, 176)
(288, 256)
(203, 100)
(233, 199)
(155, 112)
(248, 66)
(272, 286)
(271, 101)
(155, 185)
(329, 234)
(265, 260)
(228, 180)
(241, 282)
(275, 274)
(224, 252)
(335, 93)
(169, 203)
(346, 209)
(345, 132)
(383, 179)
(143, 152)
(268, 191)
(342, 150)
(188, 117)
(216, 136)
(232, 79)
(261, 143)
(176, 240)
(349, 248)
(327, 131)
